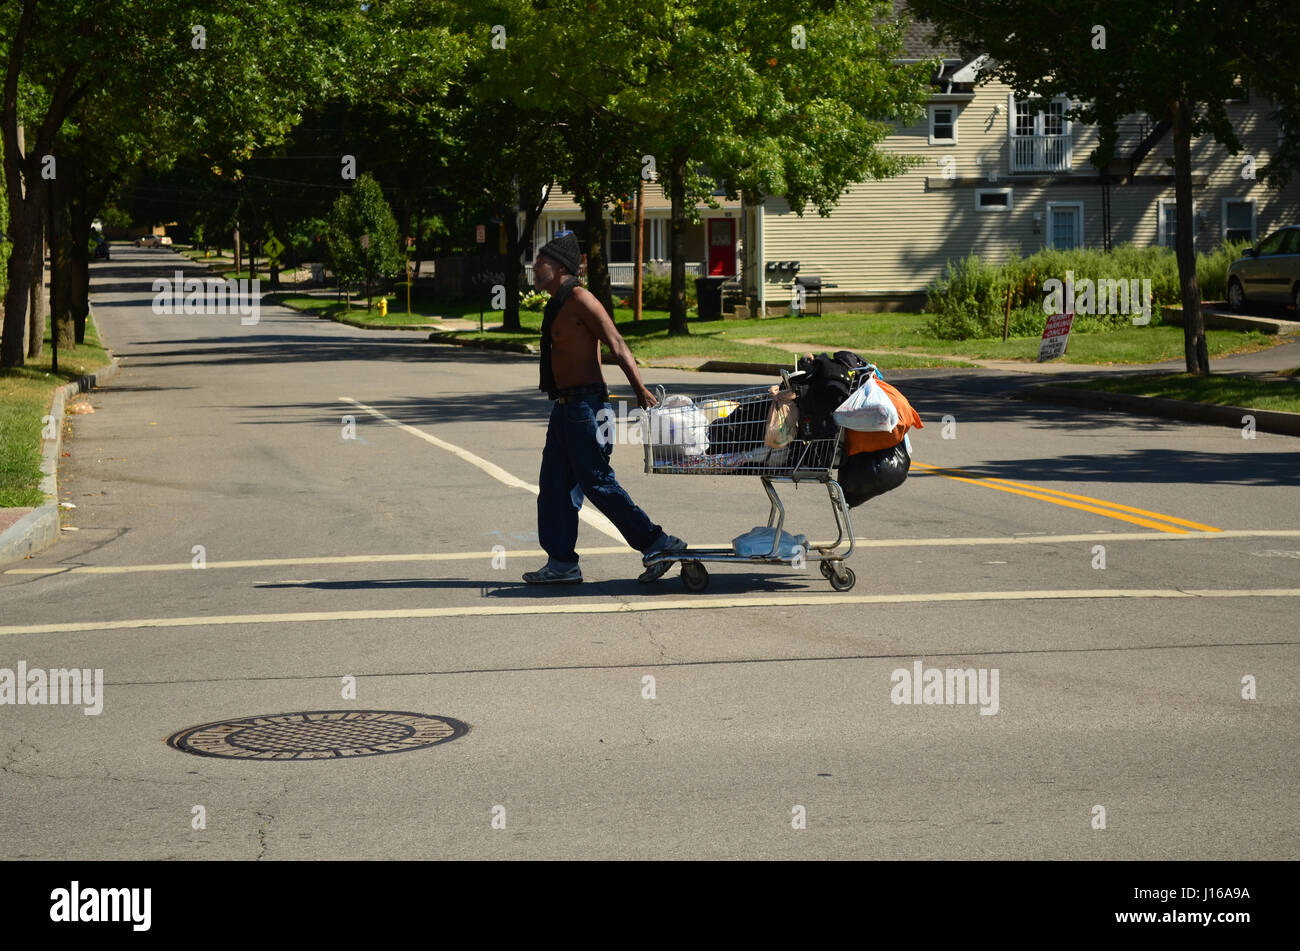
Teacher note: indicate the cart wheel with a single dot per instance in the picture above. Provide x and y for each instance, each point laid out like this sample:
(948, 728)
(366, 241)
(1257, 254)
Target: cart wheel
(826, 569)
(694, 576)
(845, 581)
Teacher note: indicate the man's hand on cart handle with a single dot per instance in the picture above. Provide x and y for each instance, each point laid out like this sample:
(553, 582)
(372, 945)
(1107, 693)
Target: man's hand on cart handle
(644, 398)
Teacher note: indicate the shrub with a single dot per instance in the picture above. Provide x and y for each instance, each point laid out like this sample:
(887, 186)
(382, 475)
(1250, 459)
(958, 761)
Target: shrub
(1212, 269)
(970, 298)
(534, 300)
(657, 290)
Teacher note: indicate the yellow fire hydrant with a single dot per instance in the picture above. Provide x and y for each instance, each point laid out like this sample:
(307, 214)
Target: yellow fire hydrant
(383, 307)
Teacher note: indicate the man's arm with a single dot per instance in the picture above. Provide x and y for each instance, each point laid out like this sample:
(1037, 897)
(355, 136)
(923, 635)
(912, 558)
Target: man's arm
(593, 317)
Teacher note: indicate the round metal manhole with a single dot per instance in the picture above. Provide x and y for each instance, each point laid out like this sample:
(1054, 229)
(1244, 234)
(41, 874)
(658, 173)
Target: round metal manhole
(321, 734)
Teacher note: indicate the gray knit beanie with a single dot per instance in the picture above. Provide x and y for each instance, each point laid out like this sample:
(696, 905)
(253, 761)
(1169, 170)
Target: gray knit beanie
(564, 250)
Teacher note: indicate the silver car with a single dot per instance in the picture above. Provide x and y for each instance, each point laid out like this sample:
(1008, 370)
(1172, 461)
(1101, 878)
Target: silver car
(1269, 273)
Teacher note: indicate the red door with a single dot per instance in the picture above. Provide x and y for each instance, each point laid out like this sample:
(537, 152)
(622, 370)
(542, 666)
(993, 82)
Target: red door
(722, 246)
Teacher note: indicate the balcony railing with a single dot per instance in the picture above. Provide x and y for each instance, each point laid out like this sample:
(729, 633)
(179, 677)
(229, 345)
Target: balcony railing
(1040, 153)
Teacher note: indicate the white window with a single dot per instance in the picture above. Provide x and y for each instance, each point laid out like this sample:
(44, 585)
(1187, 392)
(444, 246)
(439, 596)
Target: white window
(1040, 117)
(1064, 225)
(1238, 220)
(1167, 223)
(993, 199)
(943, 125)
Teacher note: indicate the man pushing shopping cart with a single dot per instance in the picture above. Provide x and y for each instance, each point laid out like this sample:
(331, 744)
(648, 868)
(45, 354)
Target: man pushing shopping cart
(576, 459)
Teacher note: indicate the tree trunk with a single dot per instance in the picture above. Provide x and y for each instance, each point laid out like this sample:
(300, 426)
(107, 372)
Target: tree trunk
(511, 266)
(82, 212)
(36, 299)
(593, 213)
(25, 222)
(1194, 345)
(237, 250)
(62, 332)
(677, 309)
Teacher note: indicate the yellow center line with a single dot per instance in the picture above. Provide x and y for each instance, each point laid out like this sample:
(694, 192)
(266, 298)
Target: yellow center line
(1083, 503)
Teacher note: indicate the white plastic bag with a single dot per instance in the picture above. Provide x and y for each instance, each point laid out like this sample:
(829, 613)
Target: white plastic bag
(868, 410)
(679, 424)
(758, 541)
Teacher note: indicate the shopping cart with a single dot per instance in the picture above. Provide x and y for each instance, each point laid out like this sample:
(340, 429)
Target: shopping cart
(723, 434)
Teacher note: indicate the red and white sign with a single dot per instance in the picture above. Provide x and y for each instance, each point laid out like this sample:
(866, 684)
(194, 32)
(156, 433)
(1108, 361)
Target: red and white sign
(480, 233)
(1056, 337)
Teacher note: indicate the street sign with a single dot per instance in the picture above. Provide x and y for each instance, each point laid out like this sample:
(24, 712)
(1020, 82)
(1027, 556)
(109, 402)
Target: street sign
(480, 234)
(365, 241)
(1056, 337)
(272, 249)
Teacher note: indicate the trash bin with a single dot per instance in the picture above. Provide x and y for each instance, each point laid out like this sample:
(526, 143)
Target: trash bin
(708, 291)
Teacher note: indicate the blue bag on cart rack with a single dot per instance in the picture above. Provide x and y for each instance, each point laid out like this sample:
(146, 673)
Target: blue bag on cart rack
(758, 541)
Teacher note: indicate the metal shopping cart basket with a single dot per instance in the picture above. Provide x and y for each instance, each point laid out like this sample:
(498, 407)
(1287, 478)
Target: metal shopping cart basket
(723, 434)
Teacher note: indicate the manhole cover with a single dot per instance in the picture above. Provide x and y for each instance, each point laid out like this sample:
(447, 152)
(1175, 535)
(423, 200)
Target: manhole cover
(322, 734)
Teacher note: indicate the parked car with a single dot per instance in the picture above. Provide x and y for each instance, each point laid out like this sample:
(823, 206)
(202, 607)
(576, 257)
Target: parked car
(153, 241)
(1269, 273)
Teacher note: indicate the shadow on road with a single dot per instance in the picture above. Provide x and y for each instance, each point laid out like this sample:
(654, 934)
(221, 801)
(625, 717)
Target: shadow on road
(1152, 465)
(730, 583)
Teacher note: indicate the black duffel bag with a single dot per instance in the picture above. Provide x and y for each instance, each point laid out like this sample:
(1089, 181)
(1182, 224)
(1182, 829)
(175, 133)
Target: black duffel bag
(864, 475)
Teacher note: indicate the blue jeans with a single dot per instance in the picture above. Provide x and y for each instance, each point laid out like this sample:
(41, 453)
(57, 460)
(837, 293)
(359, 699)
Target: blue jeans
(574, 457)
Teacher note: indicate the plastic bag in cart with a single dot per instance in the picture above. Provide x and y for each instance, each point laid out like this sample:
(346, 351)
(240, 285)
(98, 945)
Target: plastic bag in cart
(678, 426)
(868, 409)
(758, 541)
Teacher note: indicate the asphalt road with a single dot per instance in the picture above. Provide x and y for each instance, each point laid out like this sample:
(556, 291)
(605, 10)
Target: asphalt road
(380, 558)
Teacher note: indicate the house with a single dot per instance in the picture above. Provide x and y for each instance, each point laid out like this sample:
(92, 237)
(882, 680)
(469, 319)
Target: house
(997, 175)
(712, 246)
(1000, 174)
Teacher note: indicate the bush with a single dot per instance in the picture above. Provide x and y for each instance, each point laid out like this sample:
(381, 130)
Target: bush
(969, 300)
(1212, 269)
(534, 300)
(657, 290)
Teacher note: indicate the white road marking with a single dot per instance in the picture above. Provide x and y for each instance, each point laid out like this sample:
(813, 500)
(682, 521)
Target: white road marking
(587, 513)
(606, 606)
(1019, 539)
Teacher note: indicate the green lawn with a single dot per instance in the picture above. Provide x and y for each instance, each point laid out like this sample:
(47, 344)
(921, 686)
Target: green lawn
(1220, 389)
(865, 332)
(25, 394)
(873, 335)
(335, 309)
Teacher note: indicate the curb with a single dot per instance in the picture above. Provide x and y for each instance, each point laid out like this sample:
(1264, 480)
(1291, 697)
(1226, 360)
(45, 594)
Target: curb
(731, 366)
(1267, 421)
(39, 528)
(503, 345)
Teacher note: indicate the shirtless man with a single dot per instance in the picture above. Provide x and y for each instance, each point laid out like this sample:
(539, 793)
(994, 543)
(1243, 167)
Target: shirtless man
(573, 328)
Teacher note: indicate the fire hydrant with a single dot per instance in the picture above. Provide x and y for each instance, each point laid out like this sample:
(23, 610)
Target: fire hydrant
(383, 307)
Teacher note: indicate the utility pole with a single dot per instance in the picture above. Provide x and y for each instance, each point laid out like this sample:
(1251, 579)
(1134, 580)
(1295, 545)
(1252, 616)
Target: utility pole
(638, 242)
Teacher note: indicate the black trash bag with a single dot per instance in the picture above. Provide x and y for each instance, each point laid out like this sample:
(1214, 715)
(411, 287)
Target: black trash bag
(740, 430)
(864, 475)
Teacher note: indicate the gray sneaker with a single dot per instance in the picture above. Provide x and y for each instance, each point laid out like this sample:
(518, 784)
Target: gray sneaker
(666, 543)
(549, 575)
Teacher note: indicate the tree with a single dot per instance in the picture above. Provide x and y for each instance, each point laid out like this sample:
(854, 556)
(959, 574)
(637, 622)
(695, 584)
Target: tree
(362, 236)
(1177, 60)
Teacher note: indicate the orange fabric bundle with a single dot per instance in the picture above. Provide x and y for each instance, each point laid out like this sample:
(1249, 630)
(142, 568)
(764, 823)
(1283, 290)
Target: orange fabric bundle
(856, 442)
